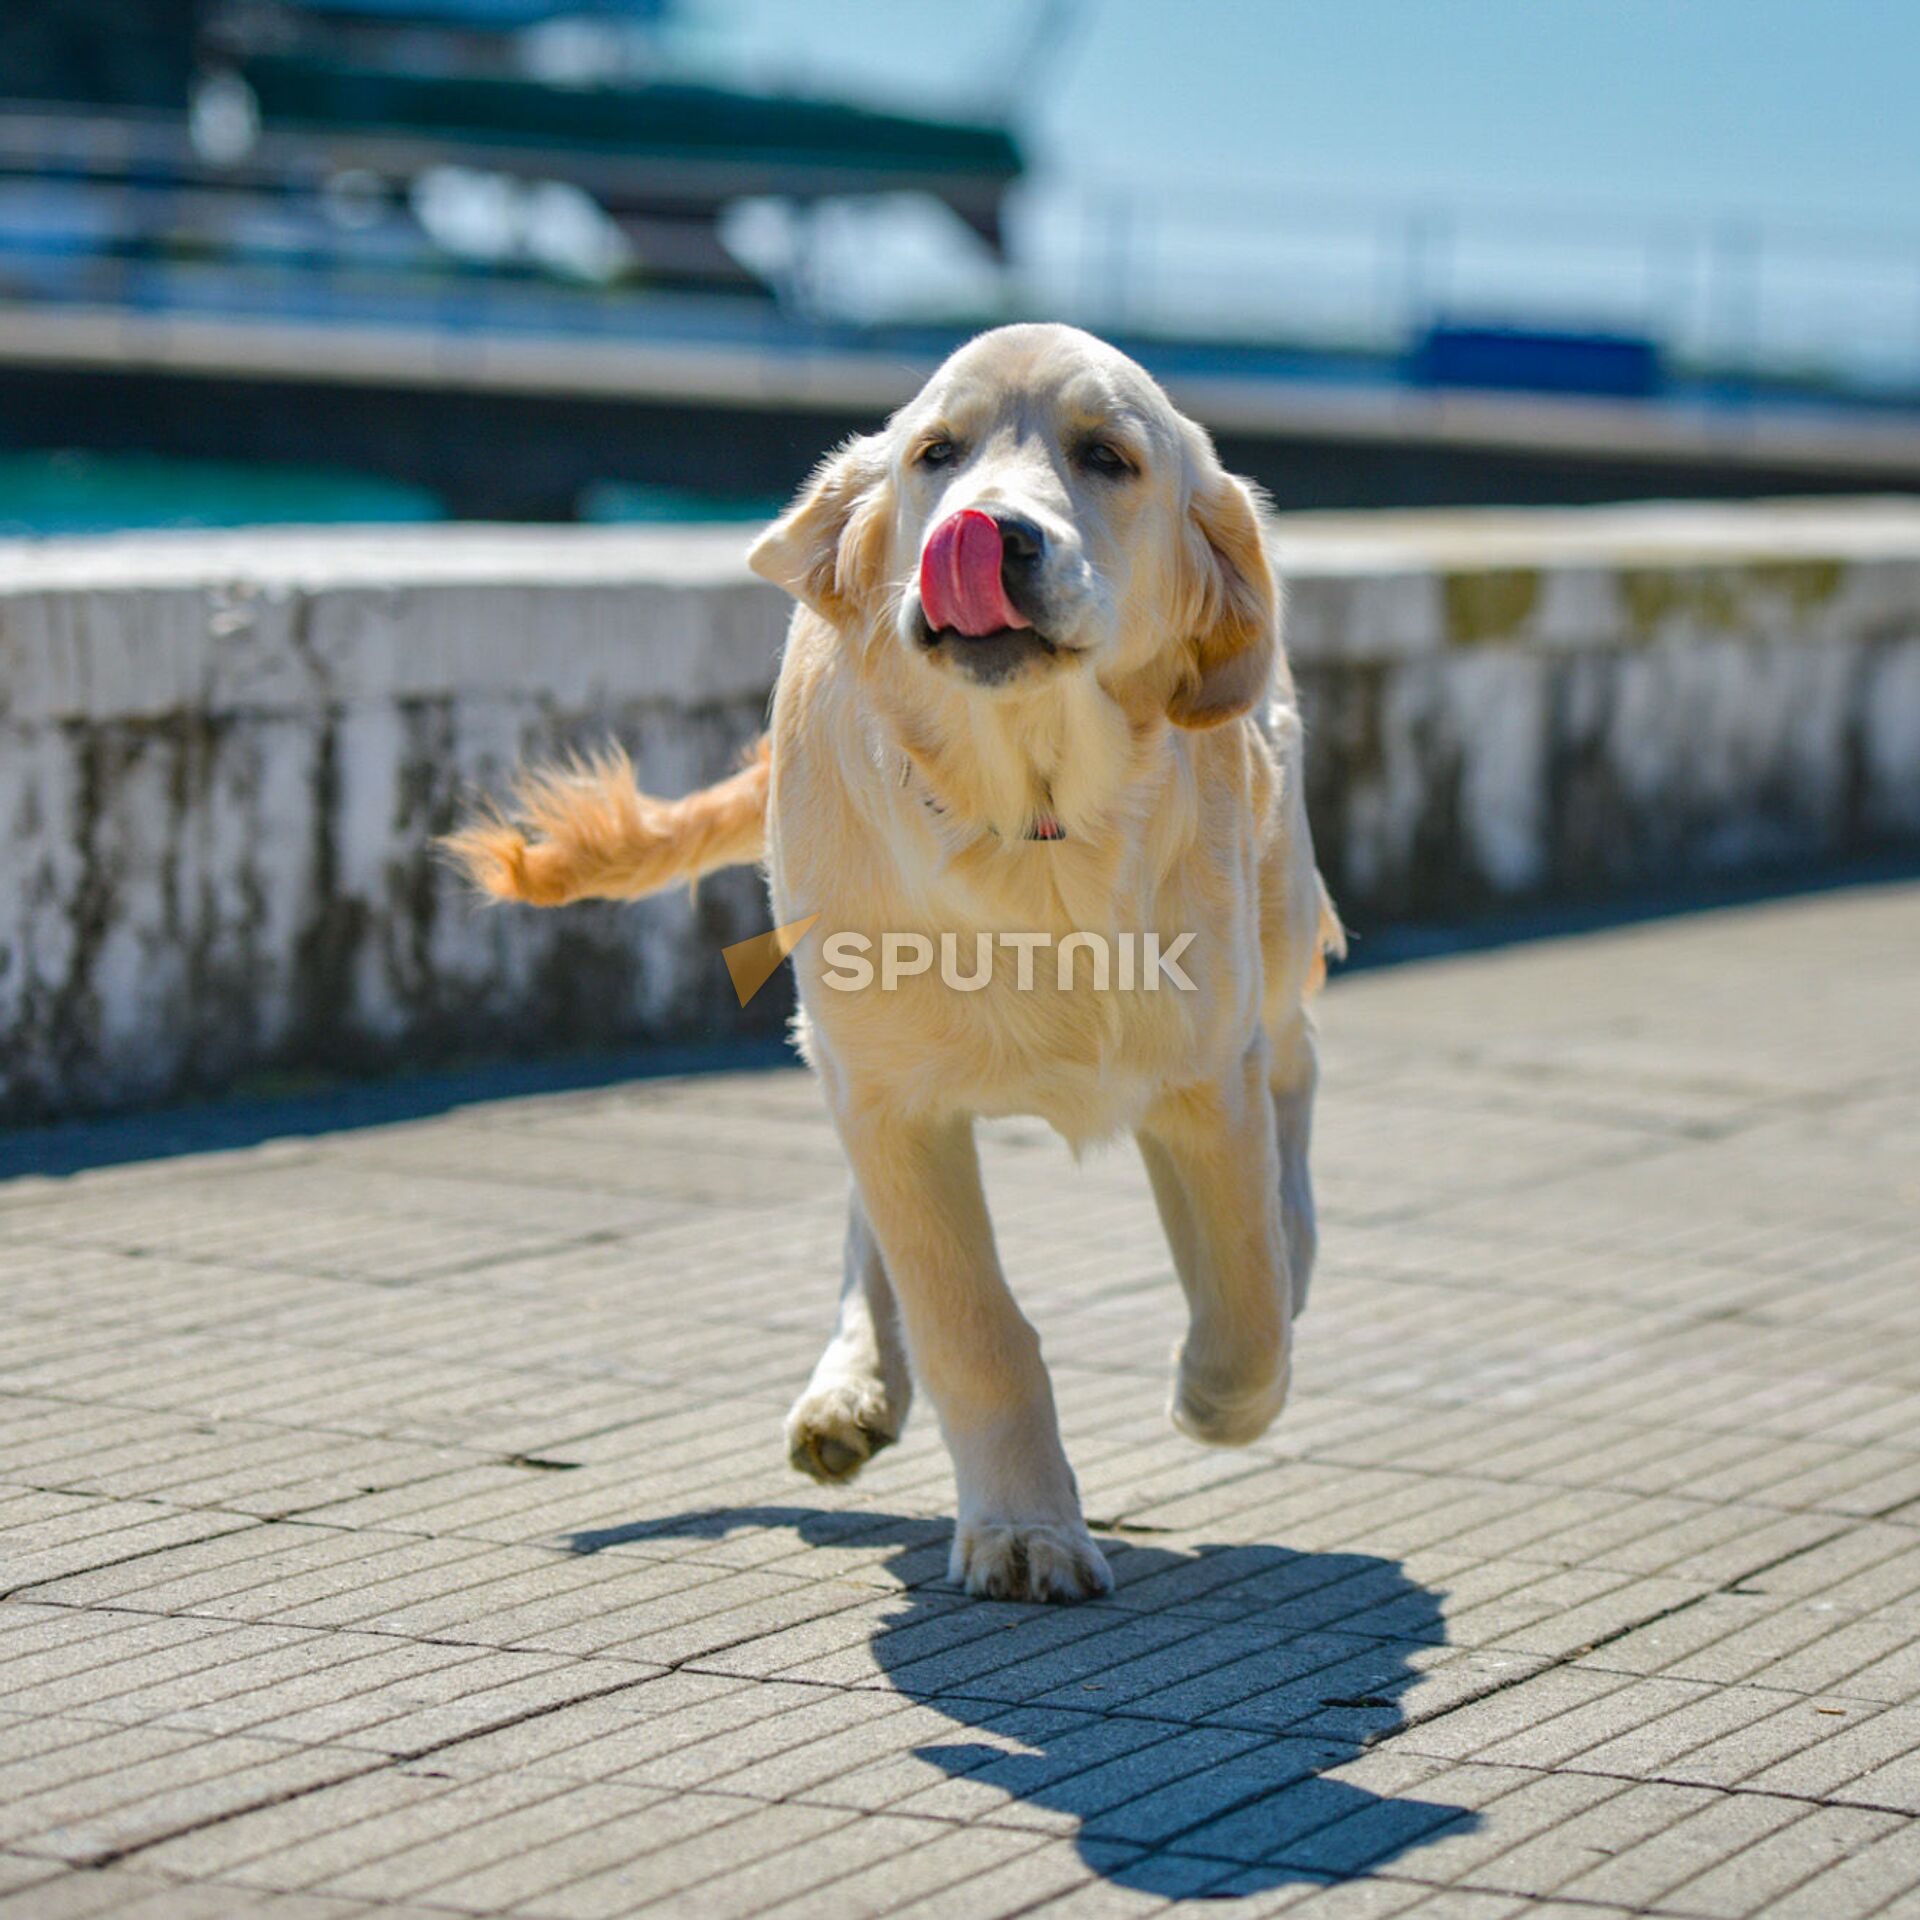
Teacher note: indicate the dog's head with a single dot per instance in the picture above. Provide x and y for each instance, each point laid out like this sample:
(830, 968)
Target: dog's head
(1041, 510)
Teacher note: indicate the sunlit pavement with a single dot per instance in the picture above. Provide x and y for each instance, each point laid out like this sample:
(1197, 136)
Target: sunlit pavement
(396, 1519)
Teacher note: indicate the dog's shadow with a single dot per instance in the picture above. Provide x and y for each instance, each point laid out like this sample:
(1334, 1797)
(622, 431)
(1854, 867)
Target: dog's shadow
(1181, 1728)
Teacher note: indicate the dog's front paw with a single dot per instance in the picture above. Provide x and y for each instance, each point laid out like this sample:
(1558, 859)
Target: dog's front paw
(1227, 1407)
(834, 1431)
(1030, 1560)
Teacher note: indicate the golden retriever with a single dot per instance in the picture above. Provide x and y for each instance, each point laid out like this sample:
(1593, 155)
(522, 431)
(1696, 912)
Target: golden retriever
(1033, 689)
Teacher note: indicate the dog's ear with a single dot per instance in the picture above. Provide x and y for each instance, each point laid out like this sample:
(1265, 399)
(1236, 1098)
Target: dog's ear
(826, 548)
(1231, 602)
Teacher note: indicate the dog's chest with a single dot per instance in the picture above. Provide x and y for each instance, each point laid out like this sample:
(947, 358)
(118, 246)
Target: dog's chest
(1080, 1028)
(1074, 981)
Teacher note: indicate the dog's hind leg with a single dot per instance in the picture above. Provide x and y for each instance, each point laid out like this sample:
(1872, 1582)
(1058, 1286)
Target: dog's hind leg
(856, 1402)
(1293, 1078)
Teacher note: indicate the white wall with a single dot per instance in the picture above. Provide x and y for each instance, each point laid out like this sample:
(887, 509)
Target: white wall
(223, 758)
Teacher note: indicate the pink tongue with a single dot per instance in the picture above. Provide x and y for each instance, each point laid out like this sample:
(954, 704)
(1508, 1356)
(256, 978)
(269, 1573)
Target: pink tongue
(960, 588)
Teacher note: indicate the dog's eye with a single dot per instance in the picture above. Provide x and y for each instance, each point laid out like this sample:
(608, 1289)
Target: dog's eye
(937, 453)
(1103, 457)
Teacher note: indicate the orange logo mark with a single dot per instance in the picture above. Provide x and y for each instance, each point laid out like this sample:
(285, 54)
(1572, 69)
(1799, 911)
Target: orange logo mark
(752, 963)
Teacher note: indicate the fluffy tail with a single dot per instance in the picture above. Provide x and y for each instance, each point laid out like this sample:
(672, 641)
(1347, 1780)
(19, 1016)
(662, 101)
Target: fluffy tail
(584, 831)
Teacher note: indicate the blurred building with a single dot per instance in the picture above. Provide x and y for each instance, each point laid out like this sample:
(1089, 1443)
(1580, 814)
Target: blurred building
(309, 151)
(536, 259)
(313, 190)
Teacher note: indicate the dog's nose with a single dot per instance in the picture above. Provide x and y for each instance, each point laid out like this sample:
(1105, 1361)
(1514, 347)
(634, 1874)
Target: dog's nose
(1021, 542)
(965, 576)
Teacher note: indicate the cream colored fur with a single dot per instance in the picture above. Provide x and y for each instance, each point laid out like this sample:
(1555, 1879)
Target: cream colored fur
(1161, 733)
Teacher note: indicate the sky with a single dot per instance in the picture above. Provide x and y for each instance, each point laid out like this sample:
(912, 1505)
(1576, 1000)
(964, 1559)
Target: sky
(1773, 108)
(1616, 121)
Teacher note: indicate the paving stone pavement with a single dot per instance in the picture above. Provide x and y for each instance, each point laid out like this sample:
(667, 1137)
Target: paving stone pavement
(394, 1521)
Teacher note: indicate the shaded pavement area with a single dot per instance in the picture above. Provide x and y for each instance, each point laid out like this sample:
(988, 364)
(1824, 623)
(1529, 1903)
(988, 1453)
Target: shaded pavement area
(393, 1519)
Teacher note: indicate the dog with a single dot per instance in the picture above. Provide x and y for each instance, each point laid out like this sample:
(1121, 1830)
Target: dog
(1034, 686)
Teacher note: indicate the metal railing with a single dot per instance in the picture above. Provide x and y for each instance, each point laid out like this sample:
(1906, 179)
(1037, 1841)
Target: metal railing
(1731, 292)
(109, 223)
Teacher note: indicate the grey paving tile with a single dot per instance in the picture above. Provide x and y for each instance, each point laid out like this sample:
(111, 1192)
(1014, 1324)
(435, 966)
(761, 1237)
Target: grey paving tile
(1882, 1876)
(1534, 1831)
(1710, 1840)
(950, 1865)
(711, 1855)
(1758, 1876)
(120, 1807)
(66, 1895)
(1016, 1883)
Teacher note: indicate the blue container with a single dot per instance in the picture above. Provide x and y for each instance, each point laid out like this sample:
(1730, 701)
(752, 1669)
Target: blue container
(1535, 360)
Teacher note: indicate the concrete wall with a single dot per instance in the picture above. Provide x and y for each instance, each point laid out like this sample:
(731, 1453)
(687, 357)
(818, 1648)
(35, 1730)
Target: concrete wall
(222, 758)
(1505, 705)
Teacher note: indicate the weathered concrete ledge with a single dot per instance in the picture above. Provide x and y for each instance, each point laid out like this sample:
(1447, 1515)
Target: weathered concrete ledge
(1506, 704)
(222, 758)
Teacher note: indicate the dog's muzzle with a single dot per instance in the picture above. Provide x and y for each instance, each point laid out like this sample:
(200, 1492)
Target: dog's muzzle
(963, 568)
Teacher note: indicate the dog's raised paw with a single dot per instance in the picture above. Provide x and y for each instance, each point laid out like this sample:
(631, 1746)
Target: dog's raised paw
(833, 1432)
(1221, 1412)
(998, 1560)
